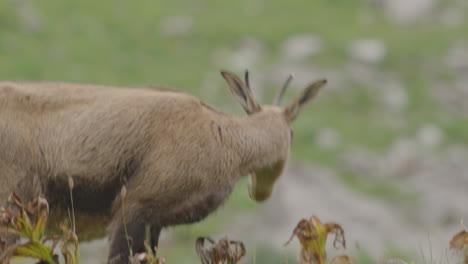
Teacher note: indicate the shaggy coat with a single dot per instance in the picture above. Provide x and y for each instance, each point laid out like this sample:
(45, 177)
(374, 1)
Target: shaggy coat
(178, 157)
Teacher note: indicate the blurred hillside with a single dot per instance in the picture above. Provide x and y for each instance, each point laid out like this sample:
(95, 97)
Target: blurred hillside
(383, 150)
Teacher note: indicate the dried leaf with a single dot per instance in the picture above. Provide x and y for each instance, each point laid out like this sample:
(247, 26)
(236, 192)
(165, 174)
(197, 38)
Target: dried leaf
(69, 245)
(459, 240)
(15, 199)
(32, 206)
(312, 235)
(7, 217)
(339, 234)
(18, 218)
(225, 251)
(7, 231)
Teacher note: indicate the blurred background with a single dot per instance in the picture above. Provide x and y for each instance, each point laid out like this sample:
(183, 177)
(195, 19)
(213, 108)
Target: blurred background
(383, 150)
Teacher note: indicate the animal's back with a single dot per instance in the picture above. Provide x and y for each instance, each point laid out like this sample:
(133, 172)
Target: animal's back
(44, 97)
(88, 131)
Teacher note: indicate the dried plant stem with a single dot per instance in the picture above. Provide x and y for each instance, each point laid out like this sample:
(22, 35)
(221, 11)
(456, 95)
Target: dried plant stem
(123, 193)
(71, 184)
(73, 220)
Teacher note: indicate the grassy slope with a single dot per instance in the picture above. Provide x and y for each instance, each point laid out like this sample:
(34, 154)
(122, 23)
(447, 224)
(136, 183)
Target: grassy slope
(119, 42)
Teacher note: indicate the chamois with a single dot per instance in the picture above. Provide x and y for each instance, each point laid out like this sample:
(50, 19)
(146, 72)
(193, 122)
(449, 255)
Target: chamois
(178, 157)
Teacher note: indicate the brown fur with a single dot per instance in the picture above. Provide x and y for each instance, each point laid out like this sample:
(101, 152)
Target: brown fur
(178, 157)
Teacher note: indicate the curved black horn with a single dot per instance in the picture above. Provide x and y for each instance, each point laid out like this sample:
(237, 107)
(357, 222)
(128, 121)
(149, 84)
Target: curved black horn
(280, 94)
(247, 80)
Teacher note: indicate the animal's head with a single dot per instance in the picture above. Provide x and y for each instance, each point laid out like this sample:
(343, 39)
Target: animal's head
(278, 124)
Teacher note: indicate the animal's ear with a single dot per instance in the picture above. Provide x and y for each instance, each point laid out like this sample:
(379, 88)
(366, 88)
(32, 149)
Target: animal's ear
(292, 110)
(241, 92)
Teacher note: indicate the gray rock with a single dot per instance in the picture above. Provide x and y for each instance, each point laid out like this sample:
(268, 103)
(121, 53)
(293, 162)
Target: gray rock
(430, 135)
(400, 159)
(361, 73)
(368, 50)
(394, 96)
(452, 16)
(29, 17)
(452, 96)
(327, 139)
(300, 47)
(246, 55)
(457, 57)
(303, 74)
(404, 11)
(359, 161)
(176, 26)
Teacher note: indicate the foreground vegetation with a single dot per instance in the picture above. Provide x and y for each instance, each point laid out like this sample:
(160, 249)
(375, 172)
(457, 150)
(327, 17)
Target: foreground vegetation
(29, 222)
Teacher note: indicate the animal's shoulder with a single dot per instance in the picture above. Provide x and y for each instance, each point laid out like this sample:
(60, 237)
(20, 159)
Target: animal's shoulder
(182, 98)
(6, 88)
(41, 97)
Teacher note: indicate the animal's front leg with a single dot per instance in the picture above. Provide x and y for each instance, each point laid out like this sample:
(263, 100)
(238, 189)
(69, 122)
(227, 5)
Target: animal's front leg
(119, 249)
(155, 232)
